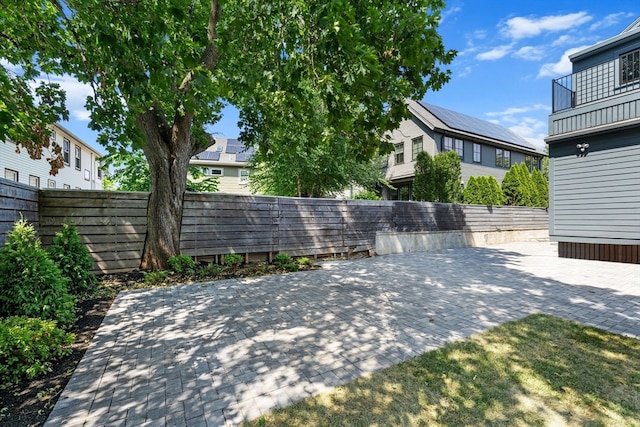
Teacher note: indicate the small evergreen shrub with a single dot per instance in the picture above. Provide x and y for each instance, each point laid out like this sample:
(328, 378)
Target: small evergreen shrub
(155, 277)
(28, 345)
(233, 260)
(31, 284)
(282, 259)
(73, 260)
(182, 264)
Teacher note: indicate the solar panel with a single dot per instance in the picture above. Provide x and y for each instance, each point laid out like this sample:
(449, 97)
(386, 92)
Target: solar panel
(245, 154)
(476, 126)
(208, 155)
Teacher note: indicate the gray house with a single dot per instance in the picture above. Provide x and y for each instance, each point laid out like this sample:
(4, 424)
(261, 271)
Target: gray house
(485, 148)
(594, 152)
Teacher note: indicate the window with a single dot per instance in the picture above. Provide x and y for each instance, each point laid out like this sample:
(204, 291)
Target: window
(477, 152)
(459, 147)
(98, 168)
(416, 147)
(447, 144)
(399, 153)
(244, 176)
(11, 174)
(66, 147)
(450, 144)
(51, 183)
(66, 186)
(216, 172)
(77, 157)
(52, 138)
(503, 158)
(34, 181)
(531, 162)
(630, 67)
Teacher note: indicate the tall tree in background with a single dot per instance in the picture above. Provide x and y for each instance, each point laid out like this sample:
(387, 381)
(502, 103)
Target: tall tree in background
(161, 70)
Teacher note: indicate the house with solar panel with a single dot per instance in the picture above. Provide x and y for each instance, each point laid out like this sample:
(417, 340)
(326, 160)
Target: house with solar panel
(594, 152)
(228, 160)
(485, 148)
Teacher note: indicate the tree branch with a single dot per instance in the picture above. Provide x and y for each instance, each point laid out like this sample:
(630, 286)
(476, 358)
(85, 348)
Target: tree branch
(210, 55)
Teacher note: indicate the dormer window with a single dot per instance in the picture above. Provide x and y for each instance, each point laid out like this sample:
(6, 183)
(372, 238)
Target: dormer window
(630, 67)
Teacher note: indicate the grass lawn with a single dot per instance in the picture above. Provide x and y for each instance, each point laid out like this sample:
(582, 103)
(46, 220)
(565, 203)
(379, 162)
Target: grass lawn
(538, 371)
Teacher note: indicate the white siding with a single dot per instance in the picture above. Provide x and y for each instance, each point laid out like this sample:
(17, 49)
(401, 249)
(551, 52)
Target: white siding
(68, 175)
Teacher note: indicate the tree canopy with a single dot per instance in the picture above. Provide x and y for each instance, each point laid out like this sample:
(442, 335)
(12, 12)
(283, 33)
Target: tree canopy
(161, 71)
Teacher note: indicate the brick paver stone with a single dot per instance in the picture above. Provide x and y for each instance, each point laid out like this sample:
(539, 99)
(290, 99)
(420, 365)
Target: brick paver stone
(219, 353)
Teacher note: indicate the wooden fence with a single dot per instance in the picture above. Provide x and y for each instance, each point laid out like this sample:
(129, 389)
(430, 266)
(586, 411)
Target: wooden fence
(16, 199)
(113, 224)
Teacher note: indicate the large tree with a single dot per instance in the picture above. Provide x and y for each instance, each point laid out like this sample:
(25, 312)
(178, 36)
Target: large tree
(161, 70)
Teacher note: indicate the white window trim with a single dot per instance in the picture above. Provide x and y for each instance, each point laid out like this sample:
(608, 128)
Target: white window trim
(210, 172)
(243, 179)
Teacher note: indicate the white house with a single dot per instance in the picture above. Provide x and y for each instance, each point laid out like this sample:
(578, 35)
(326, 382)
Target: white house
(80, 169)
(228, 160)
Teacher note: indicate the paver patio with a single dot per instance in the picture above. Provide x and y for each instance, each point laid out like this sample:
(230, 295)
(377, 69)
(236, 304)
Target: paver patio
(213, 354)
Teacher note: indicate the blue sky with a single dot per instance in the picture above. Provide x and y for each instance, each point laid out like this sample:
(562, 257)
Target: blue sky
(508, 52)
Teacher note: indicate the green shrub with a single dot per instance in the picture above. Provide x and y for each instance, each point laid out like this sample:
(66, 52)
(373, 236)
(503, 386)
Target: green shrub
(31, 284)
(483, 190)
(182, 264)
(73, 260)
(233, 260)
(282, 259)
(28, 345)
(155, 277)
(367, 195)
(291, 267)
(305, 261)
(210, 270)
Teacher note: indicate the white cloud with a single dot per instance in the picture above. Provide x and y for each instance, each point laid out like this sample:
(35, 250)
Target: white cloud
(530, 53)
(528, 122)
(610, 20)
(495, 53)
(449, 11)
(519, 110)
(560, 68)
(520, 27)
(465, 72)
(76, 95)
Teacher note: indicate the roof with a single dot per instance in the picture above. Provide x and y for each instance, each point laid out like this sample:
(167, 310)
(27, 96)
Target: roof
(454, 121)
(226, 150)
(632, 31)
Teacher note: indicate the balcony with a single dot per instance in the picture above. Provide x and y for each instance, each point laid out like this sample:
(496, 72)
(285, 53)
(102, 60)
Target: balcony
(601, 95)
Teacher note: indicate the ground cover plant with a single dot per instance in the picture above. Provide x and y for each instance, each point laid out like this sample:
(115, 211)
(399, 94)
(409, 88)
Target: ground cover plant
(537, 371)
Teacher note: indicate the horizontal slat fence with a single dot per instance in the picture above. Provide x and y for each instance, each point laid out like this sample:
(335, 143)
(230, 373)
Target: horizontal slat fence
(113, 224)
(16, 200)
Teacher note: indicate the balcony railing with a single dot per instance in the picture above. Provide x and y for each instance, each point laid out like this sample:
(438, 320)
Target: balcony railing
(593, 84)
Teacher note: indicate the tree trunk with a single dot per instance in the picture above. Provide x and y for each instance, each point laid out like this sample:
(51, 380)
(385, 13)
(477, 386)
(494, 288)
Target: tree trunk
(168, 151)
